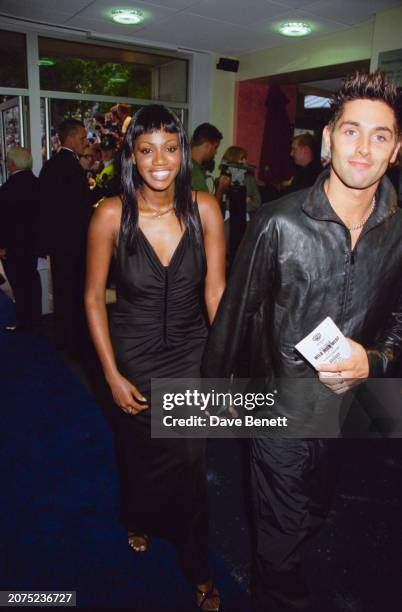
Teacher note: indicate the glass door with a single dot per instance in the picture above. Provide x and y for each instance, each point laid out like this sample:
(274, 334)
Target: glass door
(13, 116)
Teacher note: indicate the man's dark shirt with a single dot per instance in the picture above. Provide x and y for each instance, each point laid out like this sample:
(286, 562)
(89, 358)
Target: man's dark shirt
(19, 209)
(65, 204)
(305, 176)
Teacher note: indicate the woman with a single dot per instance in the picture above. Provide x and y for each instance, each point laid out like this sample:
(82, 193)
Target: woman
(169, 246)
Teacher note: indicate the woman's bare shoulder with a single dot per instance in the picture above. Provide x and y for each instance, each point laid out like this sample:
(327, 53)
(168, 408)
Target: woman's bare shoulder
(109, 207)
(108, 210)
(207, 205)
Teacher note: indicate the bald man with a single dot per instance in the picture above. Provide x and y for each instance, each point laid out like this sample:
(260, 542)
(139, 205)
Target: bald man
(19, 207)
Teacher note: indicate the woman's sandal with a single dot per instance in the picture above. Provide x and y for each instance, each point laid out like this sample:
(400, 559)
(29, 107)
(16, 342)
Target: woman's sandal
(205, 596)
(140, 547)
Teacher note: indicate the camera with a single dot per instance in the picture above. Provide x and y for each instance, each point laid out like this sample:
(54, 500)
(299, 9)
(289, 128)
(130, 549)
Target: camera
(236, 172)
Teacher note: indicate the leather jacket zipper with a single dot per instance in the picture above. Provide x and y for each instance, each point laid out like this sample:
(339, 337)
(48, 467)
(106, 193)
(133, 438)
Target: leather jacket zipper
(351, 262)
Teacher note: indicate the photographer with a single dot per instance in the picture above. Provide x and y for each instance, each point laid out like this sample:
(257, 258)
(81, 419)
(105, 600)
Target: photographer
(238, 194)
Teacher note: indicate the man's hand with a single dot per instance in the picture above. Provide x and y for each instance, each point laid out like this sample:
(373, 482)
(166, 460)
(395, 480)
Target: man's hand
(3, 254)
(348, 373)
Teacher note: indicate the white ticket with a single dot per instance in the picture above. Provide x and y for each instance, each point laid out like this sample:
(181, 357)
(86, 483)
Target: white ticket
(325, 344)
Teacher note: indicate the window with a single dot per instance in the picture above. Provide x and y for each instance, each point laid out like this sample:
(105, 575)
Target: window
(317, 102)
(13, 65)
(91, 69)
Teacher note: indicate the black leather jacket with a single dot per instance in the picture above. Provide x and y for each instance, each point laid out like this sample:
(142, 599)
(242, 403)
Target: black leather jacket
(295, 267)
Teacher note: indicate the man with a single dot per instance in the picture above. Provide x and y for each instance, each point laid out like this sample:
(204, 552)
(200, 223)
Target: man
(65, 215)
(332, 250)
(307, 163)
(204, 145)
(19, 209)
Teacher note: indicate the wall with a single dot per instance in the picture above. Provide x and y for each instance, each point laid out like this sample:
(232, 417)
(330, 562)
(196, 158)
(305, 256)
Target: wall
(337, 48)
(387, 33)
(223, 105)
(345, 46)
(251, 114)
(358, 43)
(200, 89)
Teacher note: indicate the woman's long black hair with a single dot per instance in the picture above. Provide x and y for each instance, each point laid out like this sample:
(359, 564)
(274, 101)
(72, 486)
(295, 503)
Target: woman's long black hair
(149, 119)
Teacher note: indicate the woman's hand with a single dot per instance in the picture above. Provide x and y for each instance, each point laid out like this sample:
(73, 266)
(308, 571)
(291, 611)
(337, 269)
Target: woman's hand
(126, 395)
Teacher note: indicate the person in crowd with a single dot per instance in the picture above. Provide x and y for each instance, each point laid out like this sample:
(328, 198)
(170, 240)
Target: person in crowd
(123, 117)
(204, 145)
(98, 125)
(169, 246)
(97, 164)
(238, 155)
(87, 161)
(65, 215)
(394, 174)
(307, 163)
(108, 146)
(331, 250)
(19, 210)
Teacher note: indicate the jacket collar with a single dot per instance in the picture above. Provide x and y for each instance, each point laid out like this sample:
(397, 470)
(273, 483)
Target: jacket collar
(317, 206)
(69, 152)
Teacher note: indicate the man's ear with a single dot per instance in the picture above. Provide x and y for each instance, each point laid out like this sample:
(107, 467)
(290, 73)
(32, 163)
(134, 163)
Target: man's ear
(395, 153)
(327, 137)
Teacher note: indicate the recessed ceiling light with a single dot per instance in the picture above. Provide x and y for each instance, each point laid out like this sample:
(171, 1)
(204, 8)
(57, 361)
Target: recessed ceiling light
(295, 28)
(127, 16)
(46, 61)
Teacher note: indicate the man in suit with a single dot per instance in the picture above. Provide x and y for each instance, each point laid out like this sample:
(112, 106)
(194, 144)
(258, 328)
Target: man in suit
(19, 208)
(65, 215)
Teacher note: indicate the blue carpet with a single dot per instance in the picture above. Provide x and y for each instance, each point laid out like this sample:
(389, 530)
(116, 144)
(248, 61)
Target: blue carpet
(59, 529)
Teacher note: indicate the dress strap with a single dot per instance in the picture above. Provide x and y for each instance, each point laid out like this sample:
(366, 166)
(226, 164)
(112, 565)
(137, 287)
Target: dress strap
(197, 212)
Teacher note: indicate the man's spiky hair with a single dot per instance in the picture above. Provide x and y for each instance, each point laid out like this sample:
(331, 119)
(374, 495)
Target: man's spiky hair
(361, 85)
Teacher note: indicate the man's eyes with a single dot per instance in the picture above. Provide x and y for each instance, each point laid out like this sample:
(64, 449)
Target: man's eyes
(376, 137)
(380, 138)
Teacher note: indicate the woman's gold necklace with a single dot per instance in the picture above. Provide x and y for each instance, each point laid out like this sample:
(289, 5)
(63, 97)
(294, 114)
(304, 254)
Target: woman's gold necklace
(157, 214)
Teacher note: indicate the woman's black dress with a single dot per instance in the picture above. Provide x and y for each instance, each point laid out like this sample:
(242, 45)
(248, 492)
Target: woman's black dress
(158, 330)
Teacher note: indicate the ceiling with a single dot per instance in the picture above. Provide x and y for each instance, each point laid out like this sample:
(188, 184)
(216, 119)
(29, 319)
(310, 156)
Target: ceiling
(227, 27)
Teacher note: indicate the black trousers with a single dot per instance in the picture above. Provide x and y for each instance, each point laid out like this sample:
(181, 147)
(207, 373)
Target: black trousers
(68, 278)
(24, 279)
(291, 494)
(237, 223)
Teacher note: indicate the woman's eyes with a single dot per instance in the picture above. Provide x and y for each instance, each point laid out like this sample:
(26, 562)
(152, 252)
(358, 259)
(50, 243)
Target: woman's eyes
(171, 149)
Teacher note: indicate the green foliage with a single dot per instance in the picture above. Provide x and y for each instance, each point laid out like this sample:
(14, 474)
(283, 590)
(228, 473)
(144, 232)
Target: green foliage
(83, 76)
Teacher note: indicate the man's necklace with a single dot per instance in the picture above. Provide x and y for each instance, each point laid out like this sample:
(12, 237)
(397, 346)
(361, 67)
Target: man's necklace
(357, 226)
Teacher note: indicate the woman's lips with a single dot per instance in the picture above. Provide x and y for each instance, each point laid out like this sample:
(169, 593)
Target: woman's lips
(160, 175)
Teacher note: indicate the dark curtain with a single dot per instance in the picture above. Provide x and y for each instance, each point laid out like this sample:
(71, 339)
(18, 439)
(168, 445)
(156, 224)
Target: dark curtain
(275, 150)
